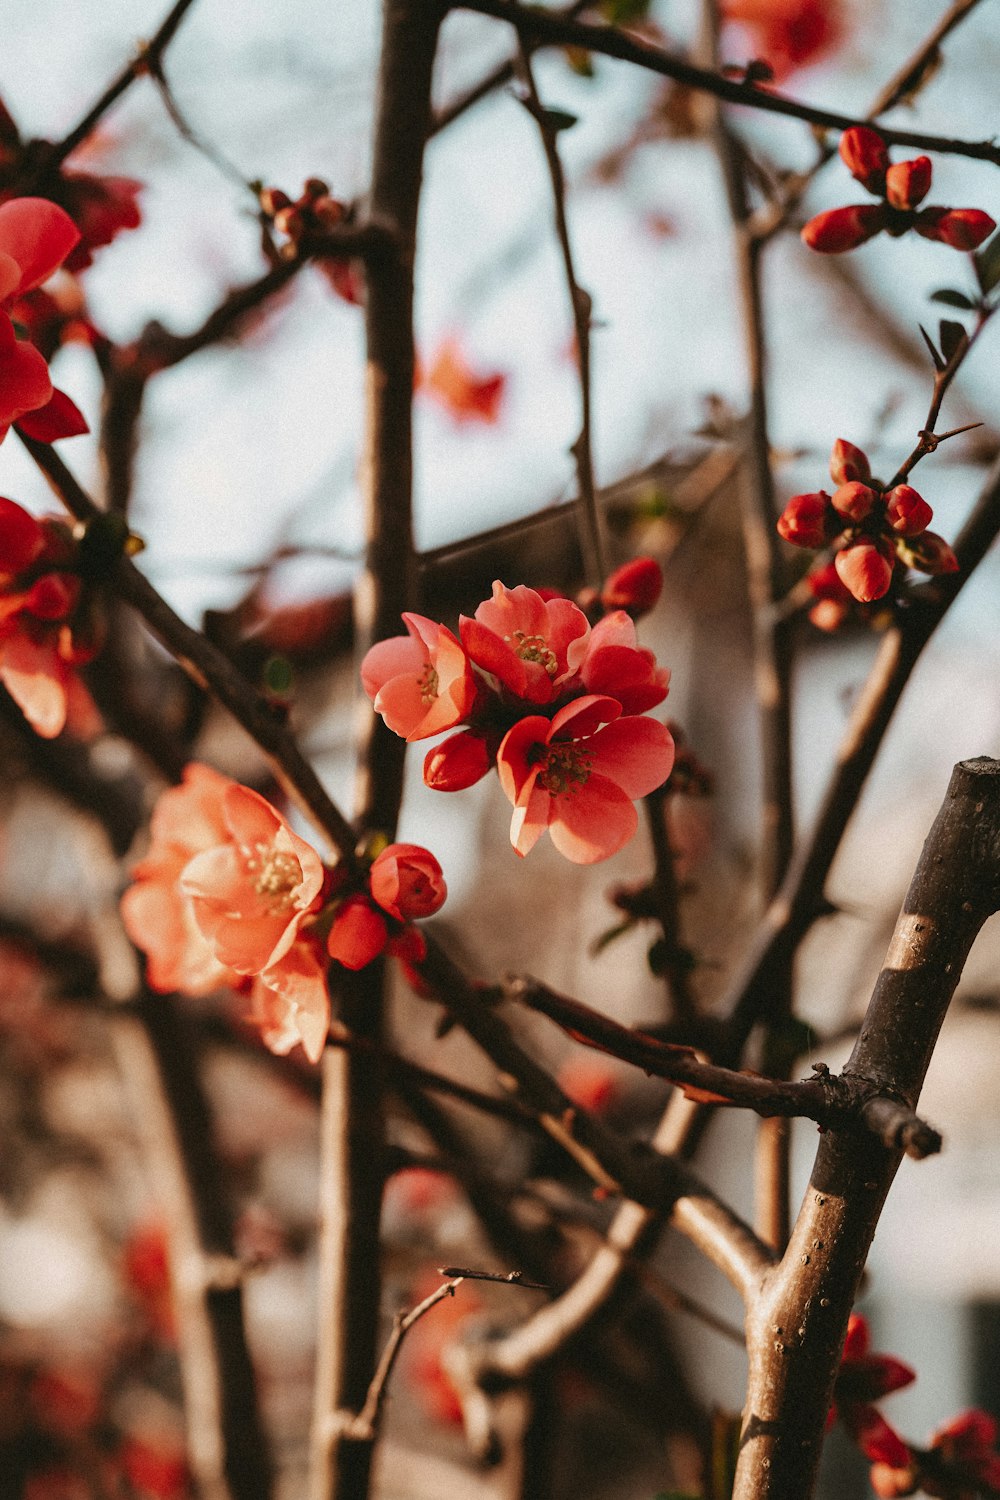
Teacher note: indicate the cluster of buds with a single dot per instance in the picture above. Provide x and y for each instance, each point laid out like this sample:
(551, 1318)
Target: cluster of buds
(960, 1460)
(49, 623)
(229, 895)
(556, 705)
(307, 217)
(901, 188)
(874, 529)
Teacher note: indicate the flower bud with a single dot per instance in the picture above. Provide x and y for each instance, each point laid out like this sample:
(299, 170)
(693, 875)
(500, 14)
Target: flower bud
(634, 587)
(928, 552)
(853, 500)
(842, 229)
(907, 512)
(961, 228)
(407, 882)
(358, 935)
(829, 614)
(890, 1483)
(459, 761)
(865, 568)
(53, 596)
(803, 520)
(848, 463)
(866, 156)
(907, 183)
(273, 200)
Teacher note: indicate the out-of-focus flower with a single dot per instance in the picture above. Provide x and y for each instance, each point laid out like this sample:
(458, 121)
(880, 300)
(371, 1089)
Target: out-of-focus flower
(864, 1378)
(634, 587)
(788, 34)
(451, 382)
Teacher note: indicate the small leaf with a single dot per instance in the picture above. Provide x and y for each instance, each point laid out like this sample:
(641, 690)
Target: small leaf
(953, 299)
(624, 12)
(278, 676)
(558, 119)
(580, 60)
(953, 338)
(987, 264)
(939, 363)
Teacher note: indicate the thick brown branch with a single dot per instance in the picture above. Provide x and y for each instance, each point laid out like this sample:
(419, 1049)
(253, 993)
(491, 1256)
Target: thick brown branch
(796, 1329)
(545, 27)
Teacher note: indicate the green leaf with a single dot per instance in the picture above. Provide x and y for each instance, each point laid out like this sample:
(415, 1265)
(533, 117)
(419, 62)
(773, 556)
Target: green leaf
(952, 337)
(987, 264)
(559, 119)
(624, 12)
(953, 299)
(278, 676)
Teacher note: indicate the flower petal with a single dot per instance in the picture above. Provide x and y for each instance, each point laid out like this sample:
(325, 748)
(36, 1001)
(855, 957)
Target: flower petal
(593, 822)
(635, 753)
(38, 235)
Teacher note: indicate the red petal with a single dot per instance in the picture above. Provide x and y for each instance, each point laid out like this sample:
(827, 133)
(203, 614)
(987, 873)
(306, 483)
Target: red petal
(58, 418)
(38, 235)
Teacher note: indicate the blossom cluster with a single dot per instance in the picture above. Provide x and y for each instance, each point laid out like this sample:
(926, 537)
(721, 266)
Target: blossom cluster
(874, 528)
(901, 188)
(229, 895)
(555, 704)
(310, 214)
(47, 625)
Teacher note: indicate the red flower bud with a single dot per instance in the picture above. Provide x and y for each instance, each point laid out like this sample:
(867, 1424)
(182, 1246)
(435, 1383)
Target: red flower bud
(866, 569)
(848, 463)
(853, 500)
(407, 882)
(829, 614)
(803, 520)
(842, 229)
(53, 596)
(961, 228)
(459, 761)
(358, 935)
(634, 587)
(907, 512)
(866, 156)
(928, 552)
(907, 183)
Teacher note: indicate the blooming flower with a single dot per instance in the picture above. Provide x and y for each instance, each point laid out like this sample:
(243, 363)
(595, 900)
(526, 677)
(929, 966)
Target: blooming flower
(35, 238)
(421, 683)
(902, 189)
(578, 774)
(530, 644)
(864, 1378)
(42, 639)
(615, 665)
(250, 893)
(788, 33)
(157, 912)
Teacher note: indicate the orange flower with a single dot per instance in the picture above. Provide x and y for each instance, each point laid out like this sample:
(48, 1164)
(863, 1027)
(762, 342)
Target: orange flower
(420, 683)
(159, 915)
(290, 1002)
(250, 893)
(530, 644)
(452, 384)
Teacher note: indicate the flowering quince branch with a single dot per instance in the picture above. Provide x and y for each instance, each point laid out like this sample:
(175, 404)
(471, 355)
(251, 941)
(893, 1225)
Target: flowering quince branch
(548, 28)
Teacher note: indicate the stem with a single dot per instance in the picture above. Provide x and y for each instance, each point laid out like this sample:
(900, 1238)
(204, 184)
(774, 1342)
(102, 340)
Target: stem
(676, 957)
(795, 1331)
(549, 29)
(581, 308)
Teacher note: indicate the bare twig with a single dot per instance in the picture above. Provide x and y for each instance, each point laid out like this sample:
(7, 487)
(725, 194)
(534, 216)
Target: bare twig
(581, 308)
(549, 29)
(363, 1427)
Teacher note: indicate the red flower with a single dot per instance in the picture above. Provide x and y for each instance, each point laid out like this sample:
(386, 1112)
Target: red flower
(578, 774)
(458, 762)
(848, 462)
(902, 188)
(405, 882)
(251, 893)
(530, 644)
(101, 208)
(866, 568)
(969, 1442)
(451, 382)
(422, 683)
(803, 522)
(864, 1378)
(789, 33)
(290, 1002)
(358, 935)
(615, 665)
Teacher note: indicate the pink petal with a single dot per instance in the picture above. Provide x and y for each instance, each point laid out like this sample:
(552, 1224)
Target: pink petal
(513, 764)
(35, 677)
(250, 817)
(508, 610)
(531, 817)
(636, 753)
(391, 658)
(38, 235)
(593, 822)
(583, 716)
(298, 983)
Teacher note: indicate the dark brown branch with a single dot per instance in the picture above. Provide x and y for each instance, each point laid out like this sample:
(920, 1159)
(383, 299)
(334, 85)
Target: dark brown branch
(146, 56)
(666, 895)
(546, 28)
(581, 307)
(795, 1331)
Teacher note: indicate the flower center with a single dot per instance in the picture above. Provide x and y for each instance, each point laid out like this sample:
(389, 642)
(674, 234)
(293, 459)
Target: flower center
(533, 648)
(277, 875)
(564, 768)
(428, 684)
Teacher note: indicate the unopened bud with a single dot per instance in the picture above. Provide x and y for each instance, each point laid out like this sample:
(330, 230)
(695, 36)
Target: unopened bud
(853, 500)
(961, 228)
(866, 156)
(634, 587)
(841, 229)
(865, 568)
(907, 512)
(459, 761)
(314, 187)
(848, 463)
(907, 183)
(273, 200)
(928, 552)
(803, 522)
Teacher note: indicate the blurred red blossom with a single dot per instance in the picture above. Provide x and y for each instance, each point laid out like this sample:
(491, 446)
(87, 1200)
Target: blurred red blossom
(450, 381)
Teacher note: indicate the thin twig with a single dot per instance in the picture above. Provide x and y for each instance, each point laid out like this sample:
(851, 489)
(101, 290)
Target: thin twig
(581, 307)
(364, 1426)
(552, 30)
(676, 962)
